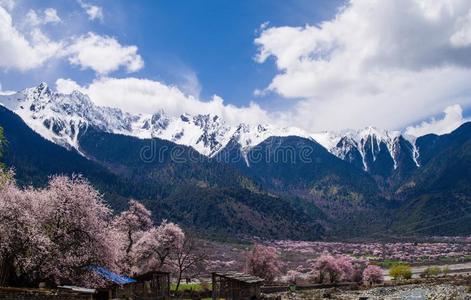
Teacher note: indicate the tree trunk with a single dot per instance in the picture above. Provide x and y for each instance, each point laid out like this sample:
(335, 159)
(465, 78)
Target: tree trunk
(5, 266)
(178, 281)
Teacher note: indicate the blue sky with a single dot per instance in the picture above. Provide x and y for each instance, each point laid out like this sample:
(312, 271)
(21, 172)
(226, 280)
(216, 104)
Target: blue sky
(212, 39)
(315, 64)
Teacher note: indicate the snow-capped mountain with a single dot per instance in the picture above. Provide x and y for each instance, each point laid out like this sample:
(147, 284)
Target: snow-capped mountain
(61, 117)
(366, 145)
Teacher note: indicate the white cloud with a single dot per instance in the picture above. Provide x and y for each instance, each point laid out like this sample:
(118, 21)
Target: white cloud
(28, 48)
(94, 12)
(17, 52)
(103, 54)
(189, 83)
(2, 92)
(7, 4)
(67, 86)
(452, 119)
(147, 96)
(462, 36)
(49, 15)
(386, 63)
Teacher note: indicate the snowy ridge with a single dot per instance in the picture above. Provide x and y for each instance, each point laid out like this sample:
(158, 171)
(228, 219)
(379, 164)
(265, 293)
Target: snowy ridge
(61, 117)
(366, 141)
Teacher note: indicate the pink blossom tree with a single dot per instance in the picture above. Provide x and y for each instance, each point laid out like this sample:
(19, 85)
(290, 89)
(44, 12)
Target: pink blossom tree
(264, 262)
(56, 233)
(22, 243)
(130, 225)
(373, 274)
(73, 216)
(326, 270)
(346, 266)
(152, 250)
(359, 266)
(330, 269)
(293, 276)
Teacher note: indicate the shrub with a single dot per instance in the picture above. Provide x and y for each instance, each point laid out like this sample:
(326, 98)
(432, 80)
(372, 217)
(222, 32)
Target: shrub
(431, 272)
(400, 272)
(373, 274)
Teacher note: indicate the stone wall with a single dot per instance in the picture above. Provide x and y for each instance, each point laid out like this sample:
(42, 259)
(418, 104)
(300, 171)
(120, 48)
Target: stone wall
(40, 294)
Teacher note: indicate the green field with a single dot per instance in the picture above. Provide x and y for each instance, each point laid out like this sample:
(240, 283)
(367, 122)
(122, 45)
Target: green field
(189, 286)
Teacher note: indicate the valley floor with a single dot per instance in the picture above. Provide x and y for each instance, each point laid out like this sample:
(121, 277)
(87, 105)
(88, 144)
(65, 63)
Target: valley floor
(410, 292)
(455, 253)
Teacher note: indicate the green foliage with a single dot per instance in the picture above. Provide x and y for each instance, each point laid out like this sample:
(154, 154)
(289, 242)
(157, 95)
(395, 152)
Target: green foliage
(400, 272)
(431, 272)
(388, 263)
(197, 287)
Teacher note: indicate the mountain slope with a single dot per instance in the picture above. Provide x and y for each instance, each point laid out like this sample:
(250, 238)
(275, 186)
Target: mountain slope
(158, 162)
(294, 166)
(438, 196)
(237, 211)
(34, 158)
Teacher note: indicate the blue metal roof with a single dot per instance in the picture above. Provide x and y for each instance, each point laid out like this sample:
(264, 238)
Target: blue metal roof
(111, 276)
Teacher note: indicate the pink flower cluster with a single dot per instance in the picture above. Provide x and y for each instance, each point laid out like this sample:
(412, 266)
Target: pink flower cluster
(408, 252)
(263, 261)
(373, 274)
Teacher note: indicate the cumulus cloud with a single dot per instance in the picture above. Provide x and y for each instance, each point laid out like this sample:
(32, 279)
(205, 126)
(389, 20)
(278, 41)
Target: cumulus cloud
(7, 4)
(452, 119)
(30, 47)
(386, 63)
(19, 52)
(137, 95)
(103, 54)
(94, 12)
(49, 15)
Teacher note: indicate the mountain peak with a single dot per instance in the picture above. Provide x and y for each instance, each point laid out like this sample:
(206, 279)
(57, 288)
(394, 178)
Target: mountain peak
(42, 86)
